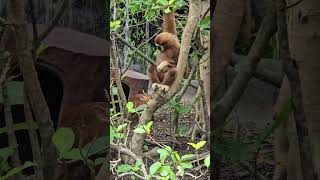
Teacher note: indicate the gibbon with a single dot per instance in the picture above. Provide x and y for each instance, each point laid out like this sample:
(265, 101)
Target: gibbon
(164, 73)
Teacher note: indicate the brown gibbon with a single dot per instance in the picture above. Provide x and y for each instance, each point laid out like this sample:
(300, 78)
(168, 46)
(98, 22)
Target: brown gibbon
(163, 74)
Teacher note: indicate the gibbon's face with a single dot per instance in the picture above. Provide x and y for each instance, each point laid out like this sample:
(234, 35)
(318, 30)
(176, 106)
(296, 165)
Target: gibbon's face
(160, 48)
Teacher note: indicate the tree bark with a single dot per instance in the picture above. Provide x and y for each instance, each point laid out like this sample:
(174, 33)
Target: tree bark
(227, 20)
(304, 41)
(18, 45)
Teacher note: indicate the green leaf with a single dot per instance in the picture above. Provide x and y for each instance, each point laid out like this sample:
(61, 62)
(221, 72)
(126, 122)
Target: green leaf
(19, 126)
(182, 130)
(139, 130)
(95, 146)
(163, 2)
(164, 170)
(205, 23)
(6, 152)
(130, 107)
(138, 162)
(175, 156)
(187, 157)
(154, 168)
(198, 145)
(235, 150)
(171, 2)
(119, 135)
(15, 93)
(180, 170)
(148, 127)
(73, 154)
(123, 168)
(112, 134)
(172, 175)
(207, 161)
(63, 138)
(167, 10)
(141, 107)
(17, 170)
(168, 148)
(186, 165)
(121, 127)
(163, 154)
(41, 49)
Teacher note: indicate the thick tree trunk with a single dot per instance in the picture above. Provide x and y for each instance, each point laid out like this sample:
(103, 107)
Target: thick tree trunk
(304, 38)
(17, 44)
(227, 20)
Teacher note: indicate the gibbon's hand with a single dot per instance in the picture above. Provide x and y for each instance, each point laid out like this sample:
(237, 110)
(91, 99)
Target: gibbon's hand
(163, 88)
(163, 67)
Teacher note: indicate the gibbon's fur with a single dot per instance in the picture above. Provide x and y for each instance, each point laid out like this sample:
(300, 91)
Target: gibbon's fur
(164, 73)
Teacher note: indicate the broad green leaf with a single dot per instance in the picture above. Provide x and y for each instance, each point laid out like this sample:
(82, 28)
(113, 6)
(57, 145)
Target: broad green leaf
(186, 165)
(168, 148)
(163, 154)
(172, 175)
(121, 127)
(164, 170)
(119, 135)
(123, 168)
(205, 23)
(163, 2)
(180, 170)
(73, 154)
(15, 93)
(139, 130)
(154, 168)
(141, 107)
(148, 127)
(198, 145)
(187, 157)
(6, 152)
(95, 146)
(207, 161)
(171, 2)
(130, 107)
(19, 126)
(175, 157)
(17, 170)
(63, 138)
(138, 162)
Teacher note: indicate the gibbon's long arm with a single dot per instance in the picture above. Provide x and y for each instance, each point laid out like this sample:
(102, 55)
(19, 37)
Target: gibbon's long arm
(169, 22)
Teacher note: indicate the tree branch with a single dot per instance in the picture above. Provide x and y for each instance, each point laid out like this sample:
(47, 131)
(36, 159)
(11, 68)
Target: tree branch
(225, 105)
(134, 48)
(294, 80)
(158, 99)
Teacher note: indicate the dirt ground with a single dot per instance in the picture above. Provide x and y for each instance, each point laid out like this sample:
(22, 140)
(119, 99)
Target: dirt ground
(254, 114)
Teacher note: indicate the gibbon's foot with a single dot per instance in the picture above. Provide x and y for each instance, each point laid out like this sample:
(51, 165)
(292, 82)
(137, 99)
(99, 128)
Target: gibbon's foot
(161, 87)
(163, 67)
